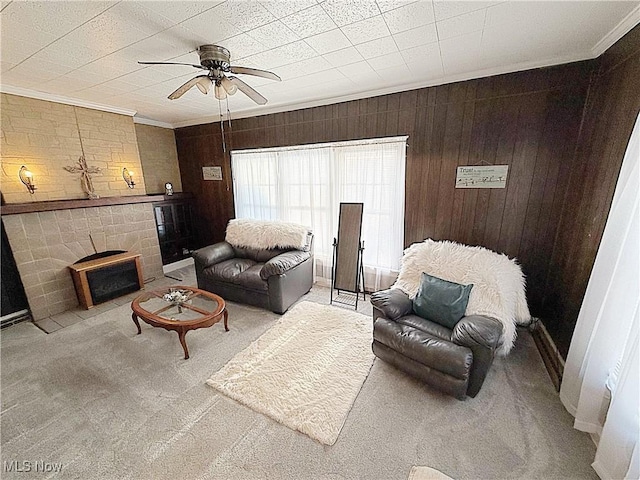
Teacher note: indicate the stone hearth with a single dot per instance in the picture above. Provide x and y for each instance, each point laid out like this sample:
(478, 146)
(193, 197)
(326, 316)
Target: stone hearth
(44, 244)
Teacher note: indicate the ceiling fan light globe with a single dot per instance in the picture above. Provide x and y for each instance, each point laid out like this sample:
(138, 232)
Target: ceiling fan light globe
(220, 92)
(229, 87)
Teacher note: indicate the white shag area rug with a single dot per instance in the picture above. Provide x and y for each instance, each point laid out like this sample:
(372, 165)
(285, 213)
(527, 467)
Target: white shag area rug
(427, 473)
(306, 371)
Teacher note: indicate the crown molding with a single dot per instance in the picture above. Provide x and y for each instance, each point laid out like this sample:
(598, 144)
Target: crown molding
(514, 68)
(153, 123)
(49, 97)
(617, 32)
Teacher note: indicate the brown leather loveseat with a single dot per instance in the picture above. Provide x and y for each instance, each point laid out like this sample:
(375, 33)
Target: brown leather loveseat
(271, 278)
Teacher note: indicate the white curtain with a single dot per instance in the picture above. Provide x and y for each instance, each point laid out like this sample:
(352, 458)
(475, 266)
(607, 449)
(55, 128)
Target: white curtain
(306, 185)
(602, 371)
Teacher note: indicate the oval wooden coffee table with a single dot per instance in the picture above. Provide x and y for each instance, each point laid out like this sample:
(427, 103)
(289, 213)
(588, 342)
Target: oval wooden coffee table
(201, 309)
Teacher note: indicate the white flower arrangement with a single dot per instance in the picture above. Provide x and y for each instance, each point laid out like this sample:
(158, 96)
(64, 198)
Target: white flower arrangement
(176, 297)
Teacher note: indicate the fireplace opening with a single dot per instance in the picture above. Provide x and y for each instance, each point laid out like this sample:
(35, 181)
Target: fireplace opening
(106, 275)
(112, 282)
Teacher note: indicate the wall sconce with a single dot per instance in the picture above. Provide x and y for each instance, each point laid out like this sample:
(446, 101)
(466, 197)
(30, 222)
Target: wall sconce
(128, 177)
(26, 177)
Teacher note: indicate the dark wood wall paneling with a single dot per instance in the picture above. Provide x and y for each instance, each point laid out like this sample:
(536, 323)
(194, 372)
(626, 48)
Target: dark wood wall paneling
(610, 112)
(529, 120)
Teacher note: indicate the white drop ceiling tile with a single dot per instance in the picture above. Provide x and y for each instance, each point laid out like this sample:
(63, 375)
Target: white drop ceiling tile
(461, 54)
(328, 41)
(247, 14)
(416, 36)
(42, 69)
(343, 57)
(304, 67)
(39, 15)
(311, 21)
(409, 16)
(282, 8)
(427, 71)
(392, 73)
(146, 77)
(283, 55)
(20, 41)
(58, 52)
(272, 35)
(6, 66)
(386, 5)
(106, 33)
(209, 28)
(155, 49)
(344, 12)
(384, 62)
(144, 19)
(366, 30)
(356, 68)
(318, 78)
(424, 54)
(511, 12)
(180, 11)
(444, 9)
(20, 79)
(241, 46)
(461, 24)
(375, 48)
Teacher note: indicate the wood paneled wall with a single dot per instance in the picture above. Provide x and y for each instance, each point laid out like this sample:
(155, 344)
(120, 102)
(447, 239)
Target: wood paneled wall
(529, 120)
(610, 112)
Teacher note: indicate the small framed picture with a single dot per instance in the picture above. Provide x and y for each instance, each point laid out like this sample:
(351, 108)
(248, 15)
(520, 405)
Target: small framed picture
(212, 173)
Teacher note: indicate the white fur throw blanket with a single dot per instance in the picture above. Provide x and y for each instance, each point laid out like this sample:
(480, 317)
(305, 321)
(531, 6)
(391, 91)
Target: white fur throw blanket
(246, 232)
(498, 283)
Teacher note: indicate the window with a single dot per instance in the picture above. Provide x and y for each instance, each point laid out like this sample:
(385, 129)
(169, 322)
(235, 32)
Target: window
(306, 185)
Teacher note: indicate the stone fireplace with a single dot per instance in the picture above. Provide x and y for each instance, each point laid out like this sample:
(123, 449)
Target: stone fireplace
(45, 243)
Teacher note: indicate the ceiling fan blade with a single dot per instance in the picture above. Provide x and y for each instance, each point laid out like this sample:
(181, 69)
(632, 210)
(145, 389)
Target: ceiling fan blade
(204, 84)
(248, 91)
(254, 71)
(174, 63)
(184, 88)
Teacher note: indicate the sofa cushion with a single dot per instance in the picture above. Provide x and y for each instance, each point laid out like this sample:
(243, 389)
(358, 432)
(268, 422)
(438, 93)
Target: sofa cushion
(250, 278)
(229, 270)
(441, 301)
(260, 255)
(434, 352)
(427, 326)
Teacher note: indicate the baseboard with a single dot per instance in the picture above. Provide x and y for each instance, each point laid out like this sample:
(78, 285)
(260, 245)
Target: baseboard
(551, 357)
(177, 265)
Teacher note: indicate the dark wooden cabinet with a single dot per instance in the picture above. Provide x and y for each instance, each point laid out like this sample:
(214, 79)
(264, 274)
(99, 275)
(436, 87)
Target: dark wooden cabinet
(175, 222)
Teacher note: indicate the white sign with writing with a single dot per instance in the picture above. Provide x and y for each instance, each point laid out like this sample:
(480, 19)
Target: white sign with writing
(212, 173)
(482, 176)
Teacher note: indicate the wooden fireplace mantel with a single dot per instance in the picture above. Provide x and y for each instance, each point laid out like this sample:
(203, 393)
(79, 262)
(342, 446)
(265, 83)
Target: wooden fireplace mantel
(51, 205)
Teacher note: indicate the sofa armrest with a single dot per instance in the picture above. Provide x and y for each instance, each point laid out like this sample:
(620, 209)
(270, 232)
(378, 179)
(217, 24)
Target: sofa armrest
(284, 262)
(212, 254)
(477, 330)
(482, 336)
(393, 303)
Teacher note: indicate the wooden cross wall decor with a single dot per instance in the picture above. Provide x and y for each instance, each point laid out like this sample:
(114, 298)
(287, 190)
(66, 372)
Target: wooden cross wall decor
(85, 177)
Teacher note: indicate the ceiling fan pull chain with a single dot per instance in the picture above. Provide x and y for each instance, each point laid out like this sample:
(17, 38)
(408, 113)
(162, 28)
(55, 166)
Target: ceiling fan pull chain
(224, 145)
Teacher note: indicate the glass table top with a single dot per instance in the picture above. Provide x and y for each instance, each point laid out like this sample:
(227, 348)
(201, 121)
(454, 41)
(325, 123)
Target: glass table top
(179, 304)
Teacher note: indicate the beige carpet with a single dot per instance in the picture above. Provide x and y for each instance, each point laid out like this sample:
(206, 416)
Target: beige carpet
(306, 371)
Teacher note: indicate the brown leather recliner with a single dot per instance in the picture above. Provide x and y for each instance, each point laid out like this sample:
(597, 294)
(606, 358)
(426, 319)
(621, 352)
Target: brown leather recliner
(454, 361)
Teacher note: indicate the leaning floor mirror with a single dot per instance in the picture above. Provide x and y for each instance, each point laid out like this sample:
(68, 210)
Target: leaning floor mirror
(347, 282)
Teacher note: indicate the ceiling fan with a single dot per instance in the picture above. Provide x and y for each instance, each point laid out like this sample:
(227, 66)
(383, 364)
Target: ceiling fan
(215, 60)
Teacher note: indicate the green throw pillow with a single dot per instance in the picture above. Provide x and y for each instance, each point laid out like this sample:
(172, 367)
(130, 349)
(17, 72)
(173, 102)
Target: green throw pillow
(441, 301)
